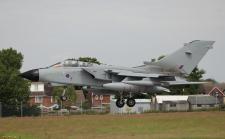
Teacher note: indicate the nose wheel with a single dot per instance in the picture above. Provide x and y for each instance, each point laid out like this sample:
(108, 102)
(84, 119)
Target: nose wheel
(63, 98)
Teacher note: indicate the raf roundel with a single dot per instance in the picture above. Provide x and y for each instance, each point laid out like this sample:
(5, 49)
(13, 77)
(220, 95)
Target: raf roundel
(67, 76)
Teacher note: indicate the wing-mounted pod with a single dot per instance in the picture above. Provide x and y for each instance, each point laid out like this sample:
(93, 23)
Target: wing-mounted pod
(143, 82)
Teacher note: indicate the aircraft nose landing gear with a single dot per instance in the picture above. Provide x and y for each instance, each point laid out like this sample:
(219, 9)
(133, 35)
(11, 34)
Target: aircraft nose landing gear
(63, 97)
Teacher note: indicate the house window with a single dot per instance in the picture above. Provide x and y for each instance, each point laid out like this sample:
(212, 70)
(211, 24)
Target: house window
(173, 105)
(35, 87)
(51, 99)
(38, 99)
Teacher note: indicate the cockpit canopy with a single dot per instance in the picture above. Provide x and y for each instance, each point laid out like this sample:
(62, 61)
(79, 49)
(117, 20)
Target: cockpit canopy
(73, 63)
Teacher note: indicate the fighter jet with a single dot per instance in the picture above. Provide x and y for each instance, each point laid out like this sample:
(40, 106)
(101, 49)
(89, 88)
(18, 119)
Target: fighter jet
(150, 77)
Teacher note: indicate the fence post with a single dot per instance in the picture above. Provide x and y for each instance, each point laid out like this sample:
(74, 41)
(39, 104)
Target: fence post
(0, 109)
(21, 109)
(81, 106)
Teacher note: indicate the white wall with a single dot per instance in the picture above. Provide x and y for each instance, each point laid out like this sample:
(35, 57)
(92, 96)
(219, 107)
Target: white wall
(141, 106)
(37, 87)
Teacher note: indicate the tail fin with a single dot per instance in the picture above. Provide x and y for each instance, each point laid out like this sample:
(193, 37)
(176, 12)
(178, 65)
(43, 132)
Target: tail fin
(186, 58)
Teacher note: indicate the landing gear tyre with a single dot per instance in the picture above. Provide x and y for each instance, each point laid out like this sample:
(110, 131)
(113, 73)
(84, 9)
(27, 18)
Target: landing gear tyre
(120, 103)
(63, 98)
(131, 102)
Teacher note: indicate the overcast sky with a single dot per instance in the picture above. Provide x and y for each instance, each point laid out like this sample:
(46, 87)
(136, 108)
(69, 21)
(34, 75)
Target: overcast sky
(117, 32)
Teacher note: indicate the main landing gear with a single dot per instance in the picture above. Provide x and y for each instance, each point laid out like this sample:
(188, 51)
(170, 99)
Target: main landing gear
(131, 102)
(121, 102)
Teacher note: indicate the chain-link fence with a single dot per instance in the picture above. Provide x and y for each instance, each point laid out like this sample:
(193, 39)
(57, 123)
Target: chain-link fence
(18, 110)
(23, 109)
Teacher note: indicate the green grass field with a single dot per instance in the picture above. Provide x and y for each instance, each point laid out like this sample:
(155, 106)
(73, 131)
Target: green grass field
(191, 125)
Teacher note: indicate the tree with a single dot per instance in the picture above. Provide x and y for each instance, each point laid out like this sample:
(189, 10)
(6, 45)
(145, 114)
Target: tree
(13, 89)
(89, 59)
(161, 57)
(57, 92)
(213, 81)
(195, 76)
(70, 94)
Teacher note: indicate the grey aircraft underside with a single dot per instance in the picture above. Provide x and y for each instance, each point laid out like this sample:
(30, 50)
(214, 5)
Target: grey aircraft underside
(150, 77)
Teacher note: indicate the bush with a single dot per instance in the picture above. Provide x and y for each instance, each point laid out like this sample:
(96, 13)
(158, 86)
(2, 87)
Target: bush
(31, 111)
(12, 110)
(222, 107)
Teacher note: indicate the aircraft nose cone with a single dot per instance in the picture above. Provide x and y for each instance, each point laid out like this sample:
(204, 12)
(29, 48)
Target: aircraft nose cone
(32, 75)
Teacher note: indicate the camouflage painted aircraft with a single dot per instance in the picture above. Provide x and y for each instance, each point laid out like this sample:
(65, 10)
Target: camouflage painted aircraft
(147, 78)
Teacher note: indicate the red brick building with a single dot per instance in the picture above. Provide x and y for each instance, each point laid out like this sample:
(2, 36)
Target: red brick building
(98, 99)
(95, 99)
(79, 97)
(41, 94)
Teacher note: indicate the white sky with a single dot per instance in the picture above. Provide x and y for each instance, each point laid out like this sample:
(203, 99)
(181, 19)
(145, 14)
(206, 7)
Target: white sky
(117, 32)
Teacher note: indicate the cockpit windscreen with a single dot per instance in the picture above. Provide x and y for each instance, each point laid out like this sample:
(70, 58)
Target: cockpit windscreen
(73, 63)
